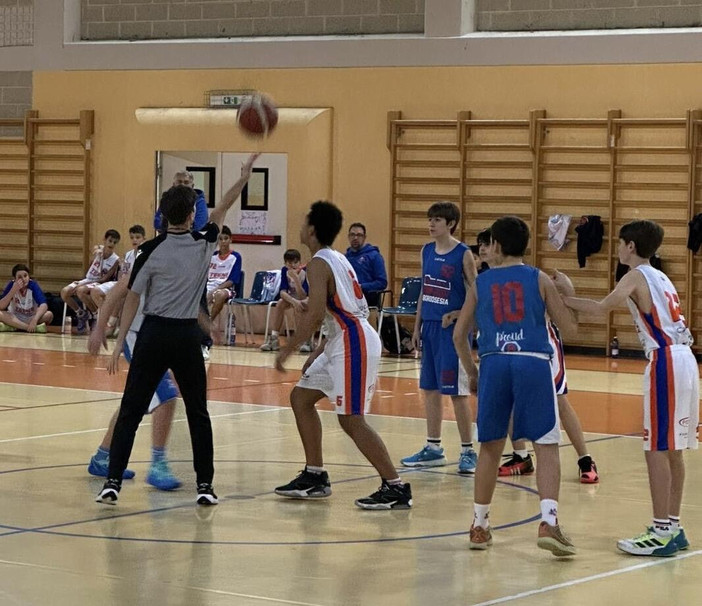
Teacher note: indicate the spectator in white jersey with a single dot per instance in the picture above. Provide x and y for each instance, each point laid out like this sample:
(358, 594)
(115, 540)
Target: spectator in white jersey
(137, 236)
(171, 272)
(23, 304)
(102, 269)
(223, 274)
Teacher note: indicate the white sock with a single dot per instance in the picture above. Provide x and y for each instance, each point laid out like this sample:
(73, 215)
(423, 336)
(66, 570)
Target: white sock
(674, 523)
(434, 443)
(522, 453)
(274, 334)
(662, 527)
(549, 511)
(481, 515)
(312, 469)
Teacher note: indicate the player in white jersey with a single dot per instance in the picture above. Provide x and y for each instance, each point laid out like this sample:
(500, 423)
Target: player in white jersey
(344, 368)
(671, 382)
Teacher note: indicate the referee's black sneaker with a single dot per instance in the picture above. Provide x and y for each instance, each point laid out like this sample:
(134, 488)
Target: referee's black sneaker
(307, 485)
(388, 496)
(206, 495)
(110, 492)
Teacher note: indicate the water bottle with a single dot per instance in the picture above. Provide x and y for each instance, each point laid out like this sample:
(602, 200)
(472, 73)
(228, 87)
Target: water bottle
(67, 325)
(614, 347)
(232, 336)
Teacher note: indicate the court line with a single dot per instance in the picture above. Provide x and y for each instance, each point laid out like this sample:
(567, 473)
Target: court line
(250, 596)
(594, 577)
(75, 433)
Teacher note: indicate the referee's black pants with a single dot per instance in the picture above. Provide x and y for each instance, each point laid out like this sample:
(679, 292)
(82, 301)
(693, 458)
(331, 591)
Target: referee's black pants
(164, 343)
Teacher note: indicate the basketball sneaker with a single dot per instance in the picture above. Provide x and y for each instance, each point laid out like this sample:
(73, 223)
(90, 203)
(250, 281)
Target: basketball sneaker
(516, 466)
(109, 493)
(306, 347)
(649, 543)
(271, 344)
(551, 538)
(205, 352)
(427, 457)
(480, 538)
(100, 466)
(206, 494)
(588, 471)
(680, 539)
(41, 328)
(161, 477)
(307, 485)
(467, 462)
(7, 328)
(388, 496)
(81, 320)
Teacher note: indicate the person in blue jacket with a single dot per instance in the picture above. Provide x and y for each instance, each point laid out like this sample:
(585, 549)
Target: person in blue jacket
(368, 264)
(185, 177)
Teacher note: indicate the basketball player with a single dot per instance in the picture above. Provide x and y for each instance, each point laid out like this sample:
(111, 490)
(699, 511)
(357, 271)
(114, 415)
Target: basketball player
(224, 272)
(671, 382)
(509, 306)
(344, 367)
(520, 461)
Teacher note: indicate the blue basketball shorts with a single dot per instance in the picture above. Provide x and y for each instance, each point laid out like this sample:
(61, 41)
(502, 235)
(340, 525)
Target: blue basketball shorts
(519, 386)
(441, 369)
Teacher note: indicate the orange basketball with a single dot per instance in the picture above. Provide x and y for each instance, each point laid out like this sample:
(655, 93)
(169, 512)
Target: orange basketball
(257, 116)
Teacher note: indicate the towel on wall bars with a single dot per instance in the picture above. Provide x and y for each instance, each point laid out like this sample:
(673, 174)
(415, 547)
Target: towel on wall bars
(558, 230)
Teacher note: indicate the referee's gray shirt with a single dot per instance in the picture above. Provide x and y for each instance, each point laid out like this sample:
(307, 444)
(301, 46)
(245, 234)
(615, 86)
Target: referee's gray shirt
(171, 272)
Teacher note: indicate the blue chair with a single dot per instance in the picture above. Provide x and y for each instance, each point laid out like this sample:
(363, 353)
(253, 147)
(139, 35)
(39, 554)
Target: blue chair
(406, 305)
(263, 292)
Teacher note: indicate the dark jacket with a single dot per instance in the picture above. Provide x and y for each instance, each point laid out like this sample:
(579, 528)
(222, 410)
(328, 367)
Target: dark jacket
(590, 234)
(694, 239)
(201, 214)
(369, 266)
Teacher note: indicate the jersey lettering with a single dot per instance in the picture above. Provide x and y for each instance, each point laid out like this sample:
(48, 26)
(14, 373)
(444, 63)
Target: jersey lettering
(507, 302)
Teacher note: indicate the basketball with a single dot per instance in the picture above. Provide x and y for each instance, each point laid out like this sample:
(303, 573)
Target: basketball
(257, 116)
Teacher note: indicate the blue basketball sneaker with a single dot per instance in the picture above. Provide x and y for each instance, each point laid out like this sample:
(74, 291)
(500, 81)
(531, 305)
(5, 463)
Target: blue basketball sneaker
(680, 539)
(467, 462)
(99, 467)
(161, 477)
(427, 457)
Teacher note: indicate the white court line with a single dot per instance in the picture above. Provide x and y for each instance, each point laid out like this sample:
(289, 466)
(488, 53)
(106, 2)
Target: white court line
(68, 366)
(9, 360)
(75, 433)
(251, 381)
(594, 577)
(251, 597)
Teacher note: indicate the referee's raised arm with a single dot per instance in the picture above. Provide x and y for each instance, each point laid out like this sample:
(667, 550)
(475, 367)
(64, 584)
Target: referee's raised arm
(228, 199)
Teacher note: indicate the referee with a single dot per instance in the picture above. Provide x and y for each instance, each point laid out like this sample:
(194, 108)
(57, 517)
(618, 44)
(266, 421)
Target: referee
(170, 272)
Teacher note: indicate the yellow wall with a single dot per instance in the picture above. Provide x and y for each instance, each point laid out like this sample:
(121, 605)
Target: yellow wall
(360, 98)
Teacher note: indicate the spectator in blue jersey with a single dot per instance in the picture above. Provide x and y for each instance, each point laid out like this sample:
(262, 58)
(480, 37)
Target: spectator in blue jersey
(23, 304)
(508, 305)
(293, 295)
(448, 270)
(185, 177)
(368, 264)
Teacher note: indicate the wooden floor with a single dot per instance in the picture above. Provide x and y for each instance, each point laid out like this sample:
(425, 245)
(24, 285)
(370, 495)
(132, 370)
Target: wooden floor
(58, 547)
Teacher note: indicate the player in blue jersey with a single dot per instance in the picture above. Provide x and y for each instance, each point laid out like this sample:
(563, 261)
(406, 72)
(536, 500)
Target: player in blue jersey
(508, 306)
(448, 269)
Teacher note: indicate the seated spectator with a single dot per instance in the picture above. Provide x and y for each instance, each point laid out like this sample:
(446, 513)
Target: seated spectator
(185, 177)
(103, 269)
(23, 304)
(293, 295)
(137, 236)
(224, 272)
(368, 264)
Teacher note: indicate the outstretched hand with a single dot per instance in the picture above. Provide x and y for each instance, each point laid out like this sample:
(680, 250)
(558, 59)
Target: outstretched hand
(563, 284)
